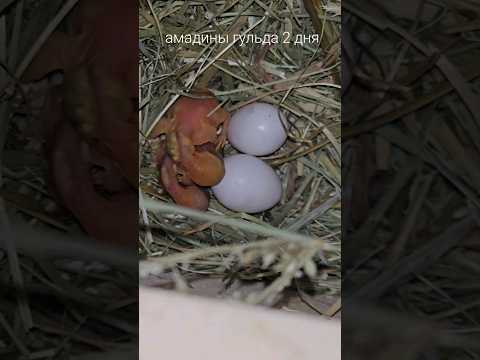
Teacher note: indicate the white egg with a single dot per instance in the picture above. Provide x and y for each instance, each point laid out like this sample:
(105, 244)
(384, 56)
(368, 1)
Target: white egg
(250, 185)
(257, 129)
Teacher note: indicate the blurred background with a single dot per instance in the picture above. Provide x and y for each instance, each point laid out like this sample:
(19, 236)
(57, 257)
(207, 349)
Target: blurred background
(68, 200)
(410, 174)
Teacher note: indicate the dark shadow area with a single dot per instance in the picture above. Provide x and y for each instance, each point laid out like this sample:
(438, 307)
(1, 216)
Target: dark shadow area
(411, 180)
(68, 179)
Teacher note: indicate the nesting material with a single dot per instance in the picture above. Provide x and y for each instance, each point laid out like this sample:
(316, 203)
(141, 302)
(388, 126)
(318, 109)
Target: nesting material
(298, 79)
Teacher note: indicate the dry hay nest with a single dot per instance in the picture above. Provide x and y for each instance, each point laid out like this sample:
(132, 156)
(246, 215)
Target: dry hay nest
(291, 251)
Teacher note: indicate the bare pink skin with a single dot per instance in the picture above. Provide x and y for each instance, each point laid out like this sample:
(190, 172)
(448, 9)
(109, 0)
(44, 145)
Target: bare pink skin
(185, 195)
(191, 147)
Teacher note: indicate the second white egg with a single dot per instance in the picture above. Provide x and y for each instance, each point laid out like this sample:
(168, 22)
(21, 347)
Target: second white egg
(257, 129)
(250, 185)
